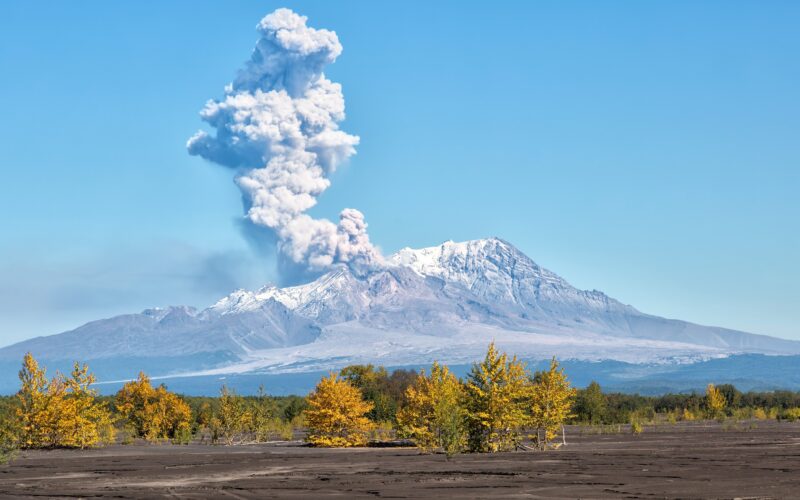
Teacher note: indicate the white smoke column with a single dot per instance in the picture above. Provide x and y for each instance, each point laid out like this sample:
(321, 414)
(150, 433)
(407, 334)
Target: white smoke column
(278, 126)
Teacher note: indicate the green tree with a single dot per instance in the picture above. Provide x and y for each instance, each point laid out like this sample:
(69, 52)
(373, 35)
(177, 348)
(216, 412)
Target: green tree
(591, 404)
(262, 411)
(373, 383)
(9, 430)
(293, 407)
(731, 394)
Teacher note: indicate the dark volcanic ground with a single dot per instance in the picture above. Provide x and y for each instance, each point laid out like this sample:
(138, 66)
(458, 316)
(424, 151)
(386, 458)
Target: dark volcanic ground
(759, 459)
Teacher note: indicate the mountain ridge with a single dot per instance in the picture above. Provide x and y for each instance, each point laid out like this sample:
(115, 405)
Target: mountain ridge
(444, 302)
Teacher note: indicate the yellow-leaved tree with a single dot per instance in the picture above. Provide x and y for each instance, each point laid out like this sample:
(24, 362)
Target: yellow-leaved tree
(336, 414)
(495, 402)
(434, 416)
(83, 421)
(62, 412)
(232, 419)
(551, 400)
(715, 402)
(264, 423)
(33, 413)
(154, 413)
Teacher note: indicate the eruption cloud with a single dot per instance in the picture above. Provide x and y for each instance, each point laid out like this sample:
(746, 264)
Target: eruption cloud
(278, 127)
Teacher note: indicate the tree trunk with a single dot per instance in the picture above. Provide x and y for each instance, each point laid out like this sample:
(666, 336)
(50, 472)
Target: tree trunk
(563, 435)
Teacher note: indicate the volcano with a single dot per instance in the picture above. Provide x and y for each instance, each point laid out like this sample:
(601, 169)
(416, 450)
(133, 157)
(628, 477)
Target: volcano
(442, 303)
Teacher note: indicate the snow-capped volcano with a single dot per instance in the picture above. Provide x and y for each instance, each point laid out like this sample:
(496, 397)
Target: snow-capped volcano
(497, 273)
(445, 302)
(491, 270)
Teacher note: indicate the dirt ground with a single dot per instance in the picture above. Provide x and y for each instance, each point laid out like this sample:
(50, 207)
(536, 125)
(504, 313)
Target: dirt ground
(756, 460)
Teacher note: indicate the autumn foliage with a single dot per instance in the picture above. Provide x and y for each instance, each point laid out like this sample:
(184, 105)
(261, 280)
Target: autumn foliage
(486, 412)
(434, 416)
(153, 413)
(495, 402)
(715, 402)
(62, 411)
(489, 411)
(492, 409)
(232, 418)
(336, 414)
(551, 399)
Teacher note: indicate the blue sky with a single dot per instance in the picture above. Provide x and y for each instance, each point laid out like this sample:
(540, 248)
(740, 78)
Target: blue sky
(649, 150)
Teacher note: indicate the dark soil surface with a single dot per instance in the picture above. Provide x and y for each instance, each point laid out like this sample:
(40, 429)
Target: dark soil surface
(693, 460)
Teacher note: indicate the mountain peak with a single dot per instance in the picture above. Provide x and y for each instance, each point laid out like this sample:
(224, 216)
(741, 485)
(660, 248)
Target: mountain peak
(491, 242)
(443, 302)
(467, 261)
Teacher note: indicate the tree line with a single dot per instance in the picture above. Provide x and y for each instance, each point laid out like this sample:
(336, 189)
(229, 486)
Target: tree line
(499, 405)
(488, 411)
(595, 407)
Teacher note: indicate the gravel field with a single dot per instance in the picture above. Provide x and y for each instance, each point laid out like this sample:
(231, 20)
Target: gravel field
(691, 460)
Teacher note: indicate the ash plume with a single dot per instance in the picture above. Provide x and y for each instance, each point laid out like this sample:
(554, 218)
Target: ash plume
(278, 128)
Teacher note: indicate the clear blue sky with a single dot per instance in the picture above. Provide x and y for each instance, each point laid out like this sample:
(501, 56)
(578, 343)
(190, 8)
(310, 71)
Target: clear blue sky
(647, 149)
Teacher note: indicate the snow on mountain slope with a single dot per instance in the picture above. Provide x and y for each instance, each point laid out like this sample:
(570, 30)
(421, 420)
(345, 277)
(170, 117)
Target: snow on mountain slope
(490, 271)
(496, 271)
(173, 331)
(445, 302)
(349, 343)
(485, 281)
